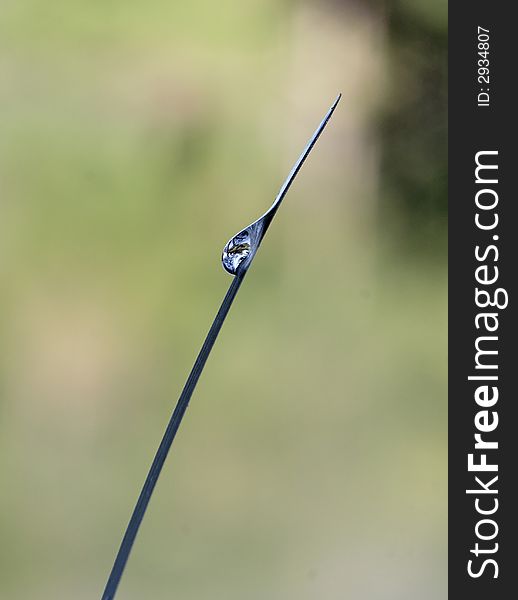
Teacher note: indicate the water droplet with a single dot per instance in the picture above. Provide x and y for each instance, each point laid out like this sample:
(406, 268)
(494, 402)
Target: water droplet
(243, 246)
(236, 251)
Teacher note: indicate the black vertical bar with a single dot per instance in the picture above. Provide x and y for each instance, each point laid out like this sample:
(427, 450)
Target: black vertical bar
(482, 119)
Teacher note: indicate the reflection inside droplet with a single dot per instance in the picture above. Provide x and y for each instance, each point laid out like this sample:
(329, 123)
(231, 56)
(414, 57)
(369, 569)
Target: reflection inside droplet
(236, 251)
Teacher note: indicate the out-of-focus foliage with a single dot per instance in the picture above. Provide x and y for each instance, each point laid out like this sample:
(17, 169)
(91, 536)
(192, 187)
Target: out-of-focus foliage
(414, 129)
(136, 138)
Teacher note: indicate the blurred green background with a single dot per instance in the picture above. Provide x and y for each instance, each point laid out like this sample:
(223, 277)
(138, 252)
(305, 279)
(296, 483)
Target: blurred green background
(135, 139)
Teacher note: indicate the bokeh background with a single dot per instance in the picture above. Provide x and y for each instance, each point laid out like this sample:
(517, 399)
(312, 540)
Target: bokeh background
(135, 139)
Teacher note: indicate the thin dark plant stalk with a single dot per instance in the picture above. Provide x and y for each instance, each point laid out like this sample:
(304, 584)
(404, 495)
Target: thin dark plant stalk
(167, 440)
(237, 257)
